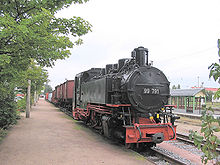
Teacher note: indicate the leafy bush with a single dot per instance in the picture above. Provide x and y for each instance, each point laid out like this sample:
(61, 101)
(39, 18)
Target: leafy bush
(8, 114)
(21, 104)
(3, 133)
(210, 126)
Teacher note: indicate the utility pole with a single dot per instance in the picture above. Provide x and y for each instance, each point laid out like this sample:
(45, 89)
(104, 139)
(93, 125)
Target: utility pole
(198, 81)
(28, 105)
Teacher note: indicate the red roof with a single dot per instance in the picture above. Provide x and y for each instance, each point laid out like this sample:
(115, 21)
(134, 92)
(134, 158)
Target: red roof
(19, 94)
(211, 89)
(208, 89)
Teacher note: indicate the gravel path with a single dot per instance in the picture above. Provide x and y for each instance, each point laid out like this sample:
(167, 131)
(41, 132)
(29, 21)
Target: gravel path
(49, 137)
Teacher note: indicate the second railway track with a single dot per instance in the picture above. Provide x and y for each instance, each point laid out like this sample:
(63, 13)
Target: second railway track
(185, 138)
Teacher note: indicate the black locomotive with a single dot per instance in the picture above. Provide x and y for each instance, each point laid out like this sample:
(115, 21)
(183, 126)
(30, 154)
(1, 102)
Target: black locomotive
(126, 100)
(131, 81)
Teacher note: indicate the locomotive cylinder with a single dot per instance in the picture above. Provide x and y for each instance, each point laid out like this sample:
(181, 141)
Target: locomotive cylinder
(141, 56)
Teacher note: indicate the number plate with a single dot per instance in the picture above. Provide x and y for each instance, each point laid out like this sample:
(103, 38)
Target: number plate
(153, 91)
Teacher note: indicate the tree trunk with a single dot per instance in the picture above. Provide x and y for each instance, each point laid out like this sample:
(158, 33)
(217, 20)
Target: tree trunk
(35, 98)
(28, 102)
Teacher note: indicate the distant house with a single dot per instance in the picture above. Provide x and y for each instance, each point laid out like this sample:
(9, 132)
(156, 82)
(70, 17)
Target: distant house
(211, 90)
(217, 100)
(188, 99)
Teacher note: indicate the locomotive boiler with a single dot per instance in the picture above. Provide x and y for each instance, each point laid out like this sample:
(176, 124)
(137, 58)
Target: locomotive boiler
(127, 101)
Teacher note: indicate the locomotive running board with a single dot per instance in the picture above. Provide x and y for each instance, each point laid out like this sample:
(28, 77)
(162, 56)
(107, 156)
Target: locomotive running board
(118, 105)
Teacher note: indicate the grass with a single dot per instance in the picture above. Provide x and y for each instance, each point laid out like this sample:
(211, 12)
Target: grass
(77, 126)
(139, 157)
(67, 117)
(213, 105)
(196, 122)
(187, 120)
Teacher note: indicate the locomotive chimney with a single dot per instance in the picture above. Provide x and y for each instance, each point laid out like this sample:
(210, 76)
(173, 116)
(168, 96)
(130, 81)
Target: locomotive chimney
(140, 55)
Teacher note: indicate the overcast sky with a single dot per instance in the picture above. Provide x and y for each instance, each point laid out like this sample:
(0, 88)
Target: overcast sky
(181, 37)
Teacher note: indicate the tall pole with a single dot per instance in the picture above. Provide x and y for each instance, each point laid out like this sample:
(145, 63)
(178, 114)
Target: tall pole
(28, 103)
(198, 81)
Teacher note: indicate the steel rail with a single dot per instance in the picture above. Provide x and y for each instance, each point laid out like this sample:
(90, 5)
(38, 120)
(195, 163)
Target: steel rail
(185, 138)
(166, 157)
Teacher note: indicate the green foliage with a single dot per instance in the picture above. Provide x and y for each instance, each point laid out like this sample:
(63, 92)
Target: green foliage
(3, 133)
(31, 38)
(8, 113)
(209, 95)
(215, 71)
(176, 87)
(21, 104)
(47, 88)
(30, 31)
(209, 127)
(36, 74)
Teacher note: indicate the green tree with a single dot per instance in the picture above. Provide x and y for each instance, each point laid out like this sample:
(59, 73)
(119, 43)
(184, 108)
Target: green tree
(210, 125)
(8, 113)
(47, 88)
(174, 87)
(209, 95)
(36, 74)
(29, 32)
(215, 74)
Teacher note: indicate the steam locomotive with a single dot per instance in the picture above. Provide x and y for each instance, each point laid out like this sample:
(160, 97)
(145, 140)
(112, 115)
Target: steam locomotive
(127, 101)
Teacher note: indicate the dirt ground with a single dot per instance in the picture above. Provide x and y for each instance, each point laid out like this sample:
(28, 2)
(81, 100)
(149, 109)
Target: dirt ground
(185, 124)
(49, 137)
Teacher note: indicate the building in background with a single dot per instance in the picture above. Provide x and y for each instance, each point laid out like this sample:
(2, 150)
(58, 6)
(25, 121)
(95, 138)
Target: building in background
(211, 90)
(189, 100)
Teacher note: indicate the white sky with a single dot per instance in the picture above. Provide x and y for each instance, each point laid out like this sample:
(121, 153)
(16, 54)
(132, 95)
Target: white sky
(181, 37)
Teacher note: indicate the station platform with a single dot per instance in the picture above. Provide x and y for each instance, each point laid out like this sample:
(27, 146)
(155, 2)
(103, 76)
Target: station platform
(49, 137)
(195, 115)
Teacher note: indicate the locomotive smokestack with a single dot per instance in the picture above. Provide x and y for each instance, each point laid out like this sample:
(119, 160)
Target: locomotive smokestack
(140, 55)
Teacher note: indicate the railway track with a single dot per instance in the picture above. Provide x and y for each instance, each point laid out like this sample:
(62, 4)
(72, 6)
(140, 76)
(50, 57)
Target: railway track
(158, 156)
(185, 138)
